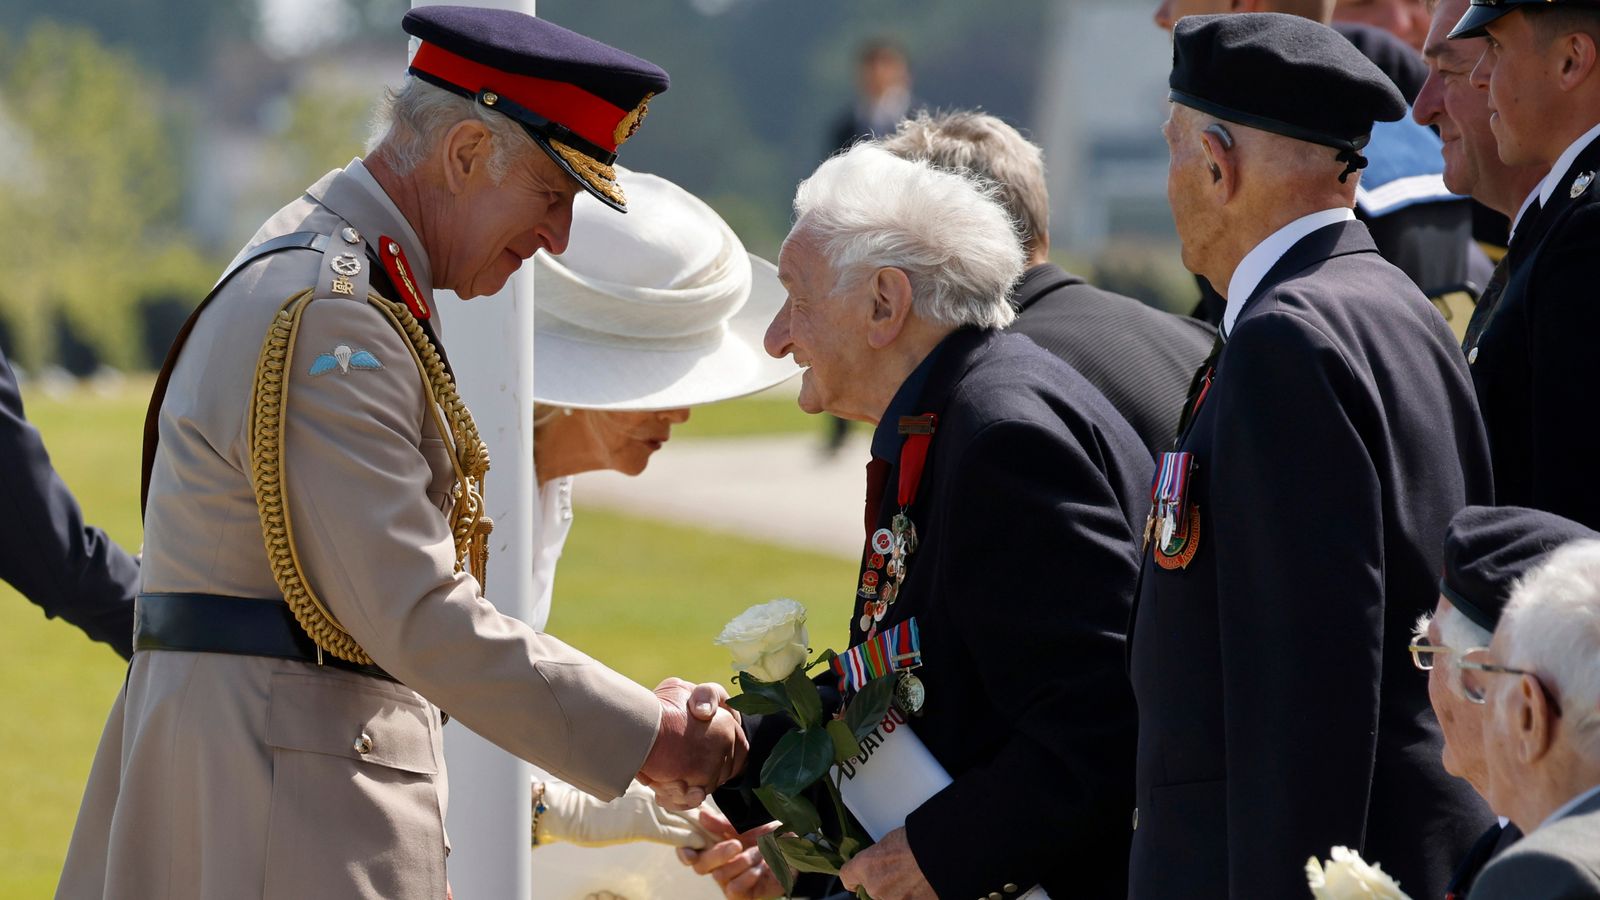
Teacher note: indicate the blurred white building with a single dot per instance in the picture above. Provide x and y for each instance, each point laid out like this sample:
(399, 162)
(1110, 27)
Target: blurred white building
(1102, 100)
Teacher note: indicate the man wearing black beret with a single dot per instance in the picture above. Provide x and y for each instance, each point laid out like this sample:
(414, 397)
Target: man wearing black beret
(1294, 536)
(1487, 550)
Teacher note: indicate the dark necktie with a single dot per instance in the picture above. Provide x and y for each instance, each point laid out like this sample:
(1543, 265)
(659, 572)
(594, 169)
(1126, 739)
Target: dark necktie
(1198, 385)
(877, 483)
(1484, 311)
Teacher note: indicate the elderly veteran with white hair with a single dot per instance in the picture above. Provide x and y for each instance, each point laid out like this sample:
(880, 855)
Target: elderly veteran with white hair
(1487, 549)
(1023, 488)
(1540, 682)
(314, 539)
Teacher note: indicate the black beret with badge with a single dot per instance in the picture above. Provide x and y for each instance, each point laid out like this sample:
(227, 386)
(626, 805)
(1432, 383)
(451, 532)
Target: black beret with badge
(1488, 548)
(1283, 74)
(577, 98)
(1481, 12)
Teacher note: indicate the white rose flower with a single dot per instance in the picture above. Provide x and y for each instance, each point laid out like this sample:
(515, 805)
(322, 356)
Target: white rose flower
(767, 641)
(1348, 877)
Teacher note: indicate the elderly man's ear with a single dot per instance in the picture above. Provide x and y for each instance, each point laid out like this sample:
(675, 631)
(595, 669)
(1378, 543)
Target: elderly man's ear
(1217, 145)
(1533, 719)
(467, 146)
(891, 306)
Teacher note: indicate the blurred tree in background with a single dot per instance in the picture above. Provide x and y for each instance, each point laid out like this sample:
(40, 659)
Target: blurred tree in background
(90, 205)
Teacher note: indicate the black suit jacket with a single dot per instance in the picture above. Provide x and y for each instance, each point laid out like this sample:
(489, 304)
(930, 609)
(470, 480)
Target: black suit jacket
(1534, 364)
(1141, 358)
(47, 553)
(1279, 714)
(1021, 588)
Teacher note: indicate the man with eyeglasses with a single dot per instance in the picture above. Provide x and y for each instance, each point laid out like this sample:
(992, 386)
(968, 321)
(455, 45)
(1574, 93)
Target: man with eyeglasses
(1486, 550)
(1540, 682)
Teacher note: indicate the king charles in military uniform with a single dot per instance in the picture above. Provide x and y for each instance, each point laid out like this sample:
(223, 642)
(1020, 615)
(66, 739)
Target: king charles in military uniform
(312, 588)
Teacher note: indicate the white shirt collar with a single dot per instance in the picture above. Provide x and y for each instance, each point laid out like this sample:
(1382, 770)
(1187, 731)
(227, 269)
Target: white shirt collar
(1258, 262)
(1572, 804)
(1552, 179)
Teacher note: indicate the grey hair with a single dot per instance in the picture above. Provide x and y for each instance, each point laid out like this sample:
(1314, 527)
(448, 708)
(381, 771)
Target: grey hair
(971, 141)
(1552, 625)
(411, 121)
(868, 209)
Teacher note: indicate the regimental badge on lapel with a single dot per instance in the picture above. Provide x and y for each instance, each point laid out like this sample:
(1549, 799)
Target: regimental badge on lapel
(1174, 523)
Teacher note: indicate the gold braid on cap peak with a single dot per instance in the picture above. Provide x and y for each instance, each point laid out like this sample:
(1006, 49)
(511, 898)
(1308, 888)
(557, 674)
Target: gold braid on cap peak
(469, 457)
(600, 176)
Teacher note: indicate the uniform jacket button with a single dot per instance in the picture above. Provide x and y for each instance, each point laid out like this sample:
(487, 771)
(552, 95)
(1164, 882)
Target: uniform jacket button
(363, 744)
(995, 895)
(1009, 888)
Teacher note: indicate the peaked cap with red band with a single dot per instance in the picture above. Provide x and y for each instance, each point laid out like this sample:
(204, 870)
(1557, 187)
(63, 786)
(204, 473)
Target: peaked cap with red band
(577, 98)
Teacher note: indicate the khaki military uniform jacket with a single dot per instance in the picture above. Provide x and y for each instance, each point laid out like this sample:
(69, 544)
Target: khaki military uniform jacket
(224, 776)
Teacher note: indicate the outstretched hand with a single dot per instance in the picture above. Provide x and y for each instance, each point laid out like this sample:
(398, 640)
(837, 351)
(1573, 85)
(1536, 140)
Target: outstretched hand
(700, 744)
(734, 860)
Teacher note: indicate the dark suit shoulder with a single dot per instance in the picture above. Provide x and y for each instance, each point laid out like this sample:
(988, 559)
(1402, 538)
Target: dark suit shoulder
(1017, 380)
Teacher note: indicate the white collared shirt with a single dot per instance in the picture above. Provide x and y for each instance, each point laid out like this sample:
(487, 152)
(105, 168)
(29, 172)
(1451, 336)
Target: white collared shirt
(1575, 802)
(1552, 179)
(1258, 262)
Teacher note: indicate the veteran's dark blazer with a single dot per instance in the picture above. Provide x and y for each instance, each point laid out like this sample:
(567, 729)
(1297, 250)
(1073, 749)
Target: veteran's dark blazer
(1279, 714)
(1534, 364)
(47, 553)
(1021, 588)
(1140, 357)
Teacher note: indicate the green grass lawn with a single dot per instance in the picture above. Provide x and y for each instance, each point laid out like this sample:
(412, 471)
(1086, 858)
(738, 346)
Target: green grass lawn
(646, 598)
(770, 412)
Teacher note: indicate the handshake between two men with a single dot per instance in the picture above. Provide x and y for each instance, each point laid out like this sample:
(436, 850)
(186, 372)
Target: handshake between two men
(701, 744)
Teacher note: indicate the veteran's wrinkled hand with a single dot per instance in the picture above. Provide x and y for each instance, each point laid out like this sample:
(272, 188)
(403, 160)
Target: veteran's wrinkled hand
(888, 871)
(734, 861)
(700, 744)
(572, 816)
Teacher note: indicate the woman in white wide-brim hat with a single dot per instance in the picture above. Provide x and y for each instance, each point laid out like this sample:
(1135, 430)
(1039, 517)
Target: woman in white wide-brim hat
(644, 316)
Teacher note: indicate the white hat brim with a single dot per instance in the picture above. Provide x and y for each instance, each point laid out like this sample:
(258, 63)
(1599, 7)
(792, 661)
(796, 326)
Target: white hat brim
(582, 374)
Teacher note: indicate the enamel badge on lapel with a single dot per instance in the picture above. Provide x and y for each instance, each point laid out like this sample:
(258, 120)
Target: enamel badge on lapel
(394, 262)
(1174, 523)
(1581, 184)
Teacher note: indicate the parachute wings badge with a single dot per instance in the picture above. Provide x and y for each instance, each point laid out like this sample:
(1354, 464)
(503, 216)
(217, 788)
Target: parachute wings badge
(344, 359)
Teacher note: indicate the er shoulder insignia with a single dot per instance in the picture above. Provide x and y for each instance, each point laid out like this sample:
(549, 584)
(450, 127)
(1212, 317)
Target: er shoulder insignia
(344, 359)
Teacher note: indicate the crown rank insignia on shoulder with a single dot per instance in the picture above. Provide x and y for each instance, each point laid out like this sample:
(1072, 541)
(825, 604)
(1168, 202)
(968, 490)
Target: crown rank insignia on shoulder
(343, 359)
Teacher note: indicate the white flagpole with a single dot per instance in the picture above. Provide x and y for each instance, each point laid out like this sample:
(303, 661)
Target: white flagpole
(490, 343)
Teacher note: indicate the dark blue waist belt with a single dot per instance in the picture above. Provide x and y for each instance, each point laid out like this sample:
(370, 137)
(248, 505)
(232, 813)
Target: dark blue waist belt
(212, 623)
